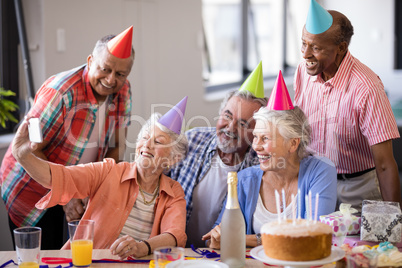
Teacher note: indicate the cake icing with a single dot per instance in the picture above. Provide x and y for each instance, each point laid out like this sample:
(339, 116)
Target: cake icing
(300, 228)
(299, 241)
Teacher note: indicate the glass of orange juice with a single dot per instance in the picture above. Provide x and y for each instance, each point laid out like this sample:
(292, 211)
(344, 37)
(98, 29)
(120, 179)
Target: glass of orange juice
(81, 240)
(27, 245)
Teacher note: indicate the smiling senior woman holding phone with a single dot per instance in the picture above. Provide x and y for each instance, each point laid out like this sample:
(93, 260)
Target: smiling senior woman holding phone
(136, 207)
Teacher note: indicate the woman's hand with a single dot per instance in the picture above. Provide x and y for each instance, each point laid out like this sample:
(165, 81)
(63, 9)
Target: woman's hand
(126, 246)
(214, 236)
(22, 146)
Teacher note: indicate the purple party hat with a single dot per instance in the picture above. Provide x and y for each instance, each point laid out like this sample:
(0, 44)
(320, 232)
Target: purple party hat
(173, 119)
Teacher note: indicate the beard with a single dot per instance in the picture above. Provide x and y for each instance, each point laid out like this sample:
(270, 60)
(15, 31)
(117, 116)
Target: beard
(228, 146)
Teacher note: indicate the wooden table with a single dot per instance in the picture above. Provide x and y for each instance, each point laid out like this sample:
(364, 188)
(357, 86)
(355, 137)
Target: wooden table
(105, 254)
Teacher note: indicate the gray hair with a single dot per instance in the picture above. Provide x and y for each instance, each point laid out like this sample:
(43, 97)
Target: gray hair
(101, 45)
(179, 143)
(291, 124)
(245, 95)
(343, 28)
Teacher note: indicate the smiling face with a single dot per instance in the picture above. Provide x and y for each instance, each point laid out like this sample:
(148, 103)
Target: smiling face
(107, 73)
(321, 54)
(235, 125)
(154, 150)
(271, 148)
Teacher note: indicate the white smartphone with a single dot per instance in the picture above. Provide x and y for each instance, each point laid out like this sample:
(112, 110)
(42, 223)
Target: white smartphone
(35, 131)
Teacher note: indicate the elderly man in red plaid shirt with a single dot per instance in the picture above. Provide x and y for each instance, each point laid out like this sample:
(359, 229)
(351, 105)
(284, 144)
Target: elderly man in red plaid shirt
(84, 114)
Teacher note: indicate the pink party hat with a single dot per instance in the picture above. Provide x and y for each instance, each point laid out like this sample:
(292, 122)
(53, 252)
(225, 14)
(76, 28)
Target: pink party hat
(120, 45)
(254, 83)
(318, 19)
(280, 99)
(173, 119)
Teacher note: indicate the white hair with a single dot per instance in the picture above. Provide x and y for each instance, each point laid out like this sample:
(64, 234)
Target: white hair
(179, 143)
(291, 124)
(245, 95)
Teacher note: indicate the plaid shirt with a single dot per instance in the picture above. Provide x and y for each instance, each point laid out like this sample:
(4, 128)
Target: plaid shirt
(67, 110)
(202, 147)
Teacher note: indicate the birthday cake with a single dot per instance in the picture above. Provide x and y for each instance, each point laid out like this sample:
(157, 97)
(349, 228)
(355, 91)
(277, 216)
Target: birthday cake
(301, 240)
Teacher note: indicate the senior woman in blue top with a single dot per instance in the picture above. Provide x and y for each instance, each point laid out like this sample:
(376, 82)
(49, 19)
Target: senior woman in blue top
(281, 139)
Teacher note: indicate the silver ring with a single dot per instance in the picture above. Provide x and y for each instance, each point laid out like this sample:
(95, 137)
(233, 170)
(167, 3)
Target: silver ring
(128, 247)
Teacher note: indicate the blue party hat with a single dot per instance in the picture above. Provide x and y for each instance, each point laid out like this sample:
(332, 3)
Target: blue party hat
(318, 19)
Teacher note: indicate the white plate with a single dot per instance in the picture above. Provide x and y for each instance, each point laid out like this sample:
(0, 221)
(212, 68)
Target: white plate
(197, 264)
(336, 254)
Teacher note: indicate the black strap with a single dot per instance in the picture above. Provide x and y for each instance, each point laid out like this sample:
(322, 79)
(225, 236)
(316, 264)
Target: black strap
(353, 175)
(148, 245)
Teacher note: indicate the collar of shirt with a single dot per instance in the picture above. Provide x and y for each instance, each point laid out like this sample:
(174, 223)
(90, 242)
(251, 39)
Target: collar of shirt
(88, 87)
(131, 173)
(342, 74)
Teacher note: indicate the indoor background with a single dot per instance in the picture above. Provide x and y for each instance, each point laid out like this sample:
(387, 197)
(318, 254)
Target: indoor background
(195, 48)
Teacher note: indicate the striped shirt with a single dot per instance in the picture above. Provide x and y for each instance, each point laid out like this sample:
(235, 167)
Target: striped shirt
(67, 110)
(141, 218)
(348, 113)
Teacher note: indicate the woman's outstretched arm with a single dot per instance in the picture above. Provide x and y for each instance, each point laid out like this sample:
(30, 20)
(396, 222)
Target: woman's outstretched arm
(22, 149)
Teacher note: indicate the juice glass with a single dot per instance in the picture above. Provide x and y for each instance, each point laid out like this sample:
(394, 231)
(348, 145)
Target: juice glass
(27, 245)
(28, 264)
(81, 240)
(165, 255)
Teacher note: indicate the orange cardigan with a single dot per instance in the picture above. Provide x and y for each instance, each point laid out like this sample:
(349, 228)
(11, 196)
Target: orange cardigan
(112, 189)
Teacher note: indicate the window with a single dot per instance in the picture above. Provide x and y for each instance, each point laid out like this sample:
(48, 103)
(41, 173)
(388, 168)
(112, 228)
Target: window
(398, 34)
(273, 32)
(9, 56)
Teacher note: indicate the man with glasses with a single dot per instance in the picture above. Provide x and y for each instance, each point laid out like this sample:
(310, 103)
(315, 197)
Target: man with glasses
(215, 151)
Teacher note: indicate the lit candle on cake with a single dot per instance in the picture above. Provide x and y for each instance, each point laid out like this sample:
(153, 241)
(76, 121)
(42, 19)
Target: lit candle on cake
(278, 205)
(310, 206)
(316, 207)
(299, 203)
(293, 209)
(284, 203)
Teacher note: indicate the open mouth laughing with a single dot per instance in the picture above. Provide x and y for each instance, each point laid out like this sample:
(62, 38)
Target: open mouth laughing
(229, 135)
(146, 154)
(108, 87)
(263, 157)
(311, 64)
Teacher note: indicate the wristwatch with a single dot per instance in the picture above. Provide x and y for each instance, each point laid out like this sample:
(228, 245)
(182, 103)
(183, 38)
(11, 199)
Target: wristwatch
(258, 236)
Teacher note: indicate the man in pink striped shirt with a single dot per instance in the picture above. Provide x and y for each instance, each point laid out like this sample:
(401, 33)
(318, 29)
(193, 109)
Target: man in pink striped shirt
(350, 114)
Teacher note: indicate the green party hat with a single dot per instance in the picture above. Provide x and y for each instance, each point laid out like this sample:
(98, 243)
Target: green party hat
(255, 83)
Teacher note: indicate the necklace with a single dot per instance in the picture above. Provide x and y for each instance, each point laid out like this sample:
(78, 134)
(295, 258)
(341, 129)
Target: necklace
(286, 200)
(148, 203)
